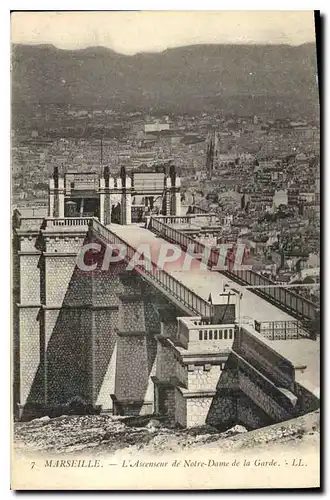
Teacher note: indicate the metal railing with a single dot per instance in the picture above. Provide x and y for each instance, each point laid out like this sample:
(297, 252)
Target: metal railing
(293, 303)
(192, 302)
(200, 210)
(147, 185)
(188, 218)
(281, 330)
(175, 219)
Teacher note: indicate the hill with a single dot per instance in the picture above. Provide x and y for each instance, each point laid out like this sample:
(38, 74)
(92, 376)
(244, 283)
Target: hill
(242, 79)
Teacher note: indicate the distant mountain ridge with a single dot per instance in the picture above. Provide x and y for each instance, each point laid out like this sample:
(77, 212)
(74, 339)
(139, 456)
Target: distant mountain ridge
(250, 78)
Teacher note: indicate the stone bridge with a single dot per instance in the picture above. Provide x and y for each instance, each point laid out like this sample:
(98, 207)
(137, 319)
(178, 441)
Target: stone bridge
(147, 341)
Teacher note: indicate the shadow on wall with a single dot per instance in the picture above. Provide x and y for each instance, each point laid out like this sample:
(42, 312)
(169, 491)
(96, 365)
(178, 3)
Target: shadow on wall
(223, 410)
(136, 347)
(230, 406)
(63, 380)
(81, 337)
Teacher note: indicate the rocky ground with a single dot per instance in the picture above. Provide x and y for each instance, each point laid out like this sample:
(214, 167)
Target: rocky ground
(108, 434)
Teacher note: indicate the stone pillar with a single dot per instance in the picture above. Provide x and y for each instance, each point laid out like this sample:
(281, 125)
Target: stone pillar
(51, 200)
(166, 372)
(136, 354)
(81, 208)
(168, 321)
(67, 322)
(119, 196)
(168, 196)
(67, 187)
(177, 197)
(102, 199)
(29, 339)
(60, 197)
(105, 200)
(108, 200)
(126, 204)
(128, 200)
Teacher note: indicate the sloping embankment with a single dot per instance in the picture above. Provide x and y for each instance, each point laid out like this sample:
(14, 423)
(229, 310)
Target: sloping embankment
(103, 434)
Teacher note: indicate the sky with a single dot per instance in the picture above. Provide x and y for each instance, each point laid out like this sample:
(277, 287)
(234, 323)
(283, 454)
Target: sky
(132, 32)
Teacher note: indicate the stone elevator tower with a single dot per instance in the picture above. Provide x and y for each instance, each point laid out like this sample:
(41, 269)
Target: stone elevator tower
(77, 334)
(86, 194)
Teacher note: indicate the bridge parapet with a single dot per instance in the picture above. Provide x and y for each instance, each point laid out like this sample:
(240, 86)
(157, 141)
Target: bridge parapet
(67, 222)
(30, 223)
(197, 332)
(253, 348)
(52, 223)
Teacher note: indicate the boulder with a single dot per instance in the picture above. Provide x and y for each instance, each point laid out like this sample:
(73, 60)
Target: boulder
(238, 429)
(41, 420)
(153, 423)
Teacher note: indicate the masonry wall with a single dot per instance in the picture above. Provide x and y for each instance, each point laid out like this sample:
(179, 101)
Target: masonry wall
(55, 335)
(28, 336)
(16, 319)
(169, 328)
(180, 408)
(307, 401)
(197, 410)
(107, 286)
(30, 278)
(223, 409)
(259, 395)
(124, 345)
(68, 320)
(79, 333)
(169, 401)
(58, 276)
(181, 371)
(105, 356)
(266, 360)
(30, 356)
(69, 363)
(136, 348)
(250, 415)
(203, 377)
(166, 362)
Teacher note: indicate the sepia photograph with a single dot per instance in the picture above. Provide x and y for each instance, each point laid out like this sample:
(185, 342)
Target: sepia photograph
(165, 250)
